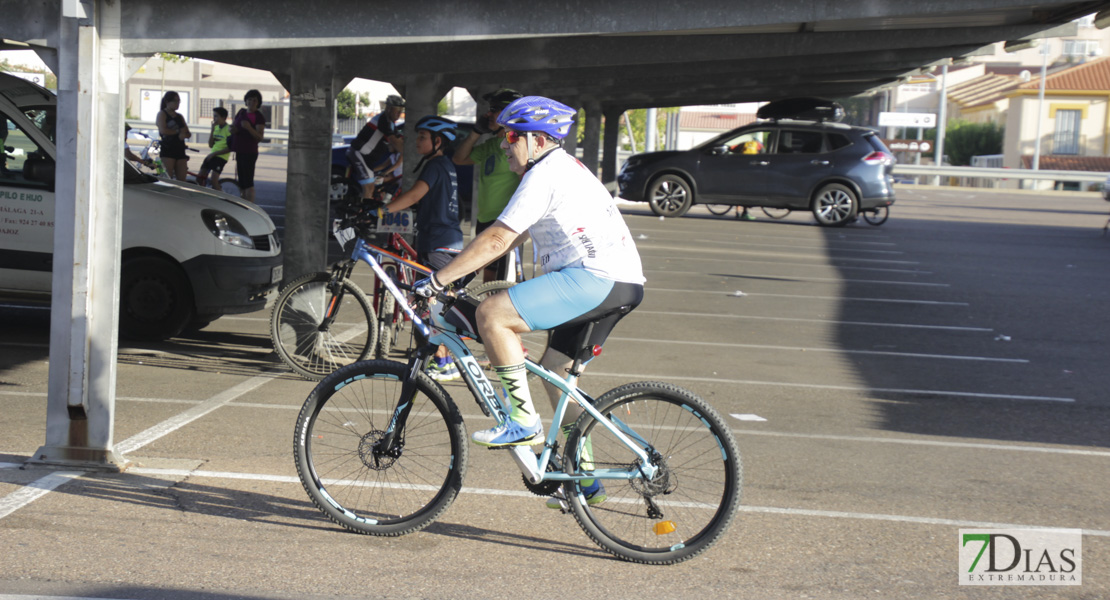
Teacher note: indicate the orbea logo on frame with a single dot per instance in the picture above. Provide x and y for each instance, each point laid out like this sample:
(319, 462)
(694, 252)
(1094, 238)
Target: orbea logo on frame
(1021, 557)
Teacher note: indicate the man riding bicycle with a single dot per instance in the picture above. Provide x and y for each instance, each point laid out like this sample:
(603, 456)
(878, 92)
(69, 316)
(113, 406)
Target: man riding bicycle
(592, 267)
(369, 152)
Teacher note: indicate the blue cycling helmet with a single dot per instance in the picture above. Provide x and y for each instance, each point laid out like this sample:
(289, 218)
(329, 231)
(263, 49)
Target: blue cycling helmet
(538, 114)
(438, 125)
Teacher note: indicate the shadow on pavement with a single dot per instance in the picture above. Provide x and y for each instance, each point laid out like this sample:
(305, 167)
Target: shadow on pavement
(1035, 292)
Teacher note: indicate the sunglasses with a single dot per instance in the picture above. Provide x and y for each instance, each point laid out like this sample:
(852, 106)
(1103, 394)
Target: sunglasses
(512, 136)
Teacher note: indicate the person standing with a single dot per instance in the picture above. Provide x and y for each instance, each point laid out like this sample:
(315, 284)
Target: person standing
(174, 132)
(496, 181)
(247, 131)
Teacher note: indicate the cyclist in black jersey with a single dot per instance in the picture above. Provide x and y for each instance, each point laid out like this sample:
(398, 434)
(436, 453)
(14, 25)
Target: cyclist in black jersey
(369, 152)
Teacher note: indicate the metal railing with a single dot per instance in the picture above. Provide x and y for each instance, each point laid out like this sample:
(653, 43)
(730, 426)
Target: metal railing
(1090, 177)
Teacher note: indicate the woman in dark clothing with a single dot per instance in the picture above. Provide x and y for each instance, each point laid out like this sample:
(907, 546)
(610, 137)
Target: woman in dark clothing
(174, 131)
(247, 130)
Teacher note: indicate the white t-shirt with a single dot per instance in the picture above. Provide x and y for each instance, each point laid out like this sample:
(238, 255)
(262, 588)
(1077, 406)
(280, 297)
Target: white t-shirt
(573, 220)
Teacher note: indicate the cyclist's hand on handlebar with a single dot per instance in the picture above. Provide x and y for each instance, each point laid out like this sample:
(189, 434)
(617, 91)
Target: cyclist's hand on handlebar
(428, 287)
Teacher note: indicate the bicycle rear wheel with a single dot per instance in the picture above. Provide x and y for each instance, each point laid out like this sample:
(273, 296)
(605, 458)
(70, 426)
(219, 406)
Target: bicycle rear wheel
(775, 213)
(230, 186)
(719, 209)
(690, 501)
(876, 216)
(368, 492)
(388, 318)
(301, 339)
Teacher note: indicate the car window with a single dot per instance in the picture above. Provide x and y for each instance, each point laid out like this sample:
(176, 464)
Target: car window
(799, 142)
(838, 141)
(748, 142)
(22, 157)
(45, 118)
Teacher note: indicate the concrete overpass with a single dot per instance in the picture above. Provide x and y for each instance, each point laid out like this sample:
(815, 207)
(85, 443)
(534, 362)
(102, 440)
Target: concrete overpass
(604, 56)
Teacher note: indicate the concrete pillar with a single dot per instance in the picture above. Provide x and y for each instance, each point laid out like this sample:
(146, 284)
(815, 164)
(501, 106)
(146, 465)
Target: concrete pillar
(591, 141)
(570, 143)
(609, 154)
(87, 224)
(311, 98)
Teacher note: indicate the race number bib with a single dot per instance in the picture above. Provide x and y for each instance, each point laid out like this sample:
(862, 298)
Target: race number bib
(399, 222)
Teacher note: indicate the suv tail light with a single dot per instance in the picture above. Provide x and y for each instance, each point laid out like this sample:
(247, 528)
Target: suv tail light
(879, 158)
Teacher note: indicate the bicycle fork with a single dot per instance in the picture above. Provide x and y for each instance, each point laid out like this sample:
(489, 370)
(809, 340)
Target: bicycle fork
(392, 442)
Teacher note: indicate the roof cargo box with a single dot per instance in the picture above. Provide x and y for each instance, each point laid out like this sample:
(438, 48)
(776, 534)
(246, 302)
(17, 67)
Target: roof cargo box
(803, 109)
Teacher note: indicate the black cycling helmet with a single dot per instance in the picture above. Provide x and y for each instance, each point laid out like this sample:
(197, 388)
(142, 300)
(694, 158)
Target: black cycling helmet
(501, 98)
(395, 100)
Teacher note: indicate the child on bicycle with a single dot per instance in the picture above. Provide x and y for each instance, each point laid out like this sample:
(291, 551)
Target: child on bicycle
(592, 267)
(436, 193)
(216, 160)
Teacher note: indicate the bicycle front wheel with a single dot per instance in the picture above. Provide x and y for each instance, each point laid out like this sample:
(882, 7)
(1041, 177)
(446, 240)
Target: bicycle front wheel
(719, 209)
(302, 339)
(692, 498)
(336, 448)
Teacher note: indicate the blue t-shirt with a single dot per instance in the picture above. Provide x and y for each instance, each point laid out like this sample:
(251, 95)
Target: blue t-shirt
(437, 213)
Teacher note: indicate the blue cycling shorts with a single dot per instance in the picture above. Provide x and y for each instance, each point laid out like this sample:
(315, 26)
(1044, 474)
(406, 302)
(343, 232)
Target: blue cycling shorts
(565, 301)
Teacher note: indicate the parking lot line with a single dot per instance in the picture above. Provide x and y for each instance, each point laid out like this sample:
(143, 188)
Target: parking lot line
(174, 423)
(822, 321)
(743, 508)
(832, 350)
(777, 264)
(793, 278)
(846, 388)
(914, 442)
(35, 490)
(836, 298)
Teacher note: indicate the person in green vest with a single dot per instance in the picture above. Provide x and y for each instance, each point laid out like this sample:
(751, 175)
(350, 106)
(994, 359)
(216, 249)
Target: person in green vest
(496, 182)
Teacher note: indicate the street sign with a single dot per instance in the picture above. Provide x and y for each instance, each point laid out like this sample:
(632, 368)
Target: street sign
(901, 119)
(909, 145)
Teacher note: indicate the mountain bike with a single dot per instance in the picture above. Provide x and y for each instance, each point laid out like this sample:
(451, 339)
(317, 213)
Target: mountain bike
(381, 448)
(322, 321)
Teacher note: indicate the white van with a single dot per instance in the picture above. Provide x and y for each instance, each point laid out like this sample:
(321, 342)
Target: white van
(190, 254)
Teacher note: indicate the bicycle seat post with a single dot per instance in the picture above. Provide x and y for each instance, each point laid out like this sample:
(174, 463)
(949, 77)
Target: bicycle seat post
(585, 352)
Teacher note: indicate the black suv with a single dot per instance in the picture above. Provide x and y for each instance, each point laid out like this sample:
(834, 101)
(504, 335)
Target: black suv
(802, 162)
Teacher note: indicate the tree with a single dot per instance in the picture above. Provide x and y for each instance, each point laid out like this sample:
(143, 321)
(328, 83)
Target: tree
(167, 57)
(345, 104)
(963, 140)
(50, 81)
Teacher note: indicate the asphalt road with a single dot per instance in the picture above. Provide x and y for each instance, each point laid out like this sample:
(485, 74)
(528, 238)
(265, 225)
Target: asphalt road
(888, 386)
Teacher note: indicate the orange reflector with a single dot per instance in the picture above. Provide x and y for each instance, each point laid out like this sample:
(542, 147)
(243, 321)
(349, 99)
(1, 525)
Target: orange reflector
(664, 527)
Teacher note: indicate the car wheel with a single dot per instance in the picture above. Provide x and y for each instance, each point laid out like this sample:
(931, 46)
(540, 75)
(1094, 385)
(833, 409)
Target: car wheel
(670, 196)
(155, 300)
(835, 205)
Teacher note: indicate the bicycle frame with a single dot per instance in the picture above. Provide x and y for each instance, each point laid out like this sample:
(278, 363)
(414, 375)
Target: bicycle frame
(430, 336)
